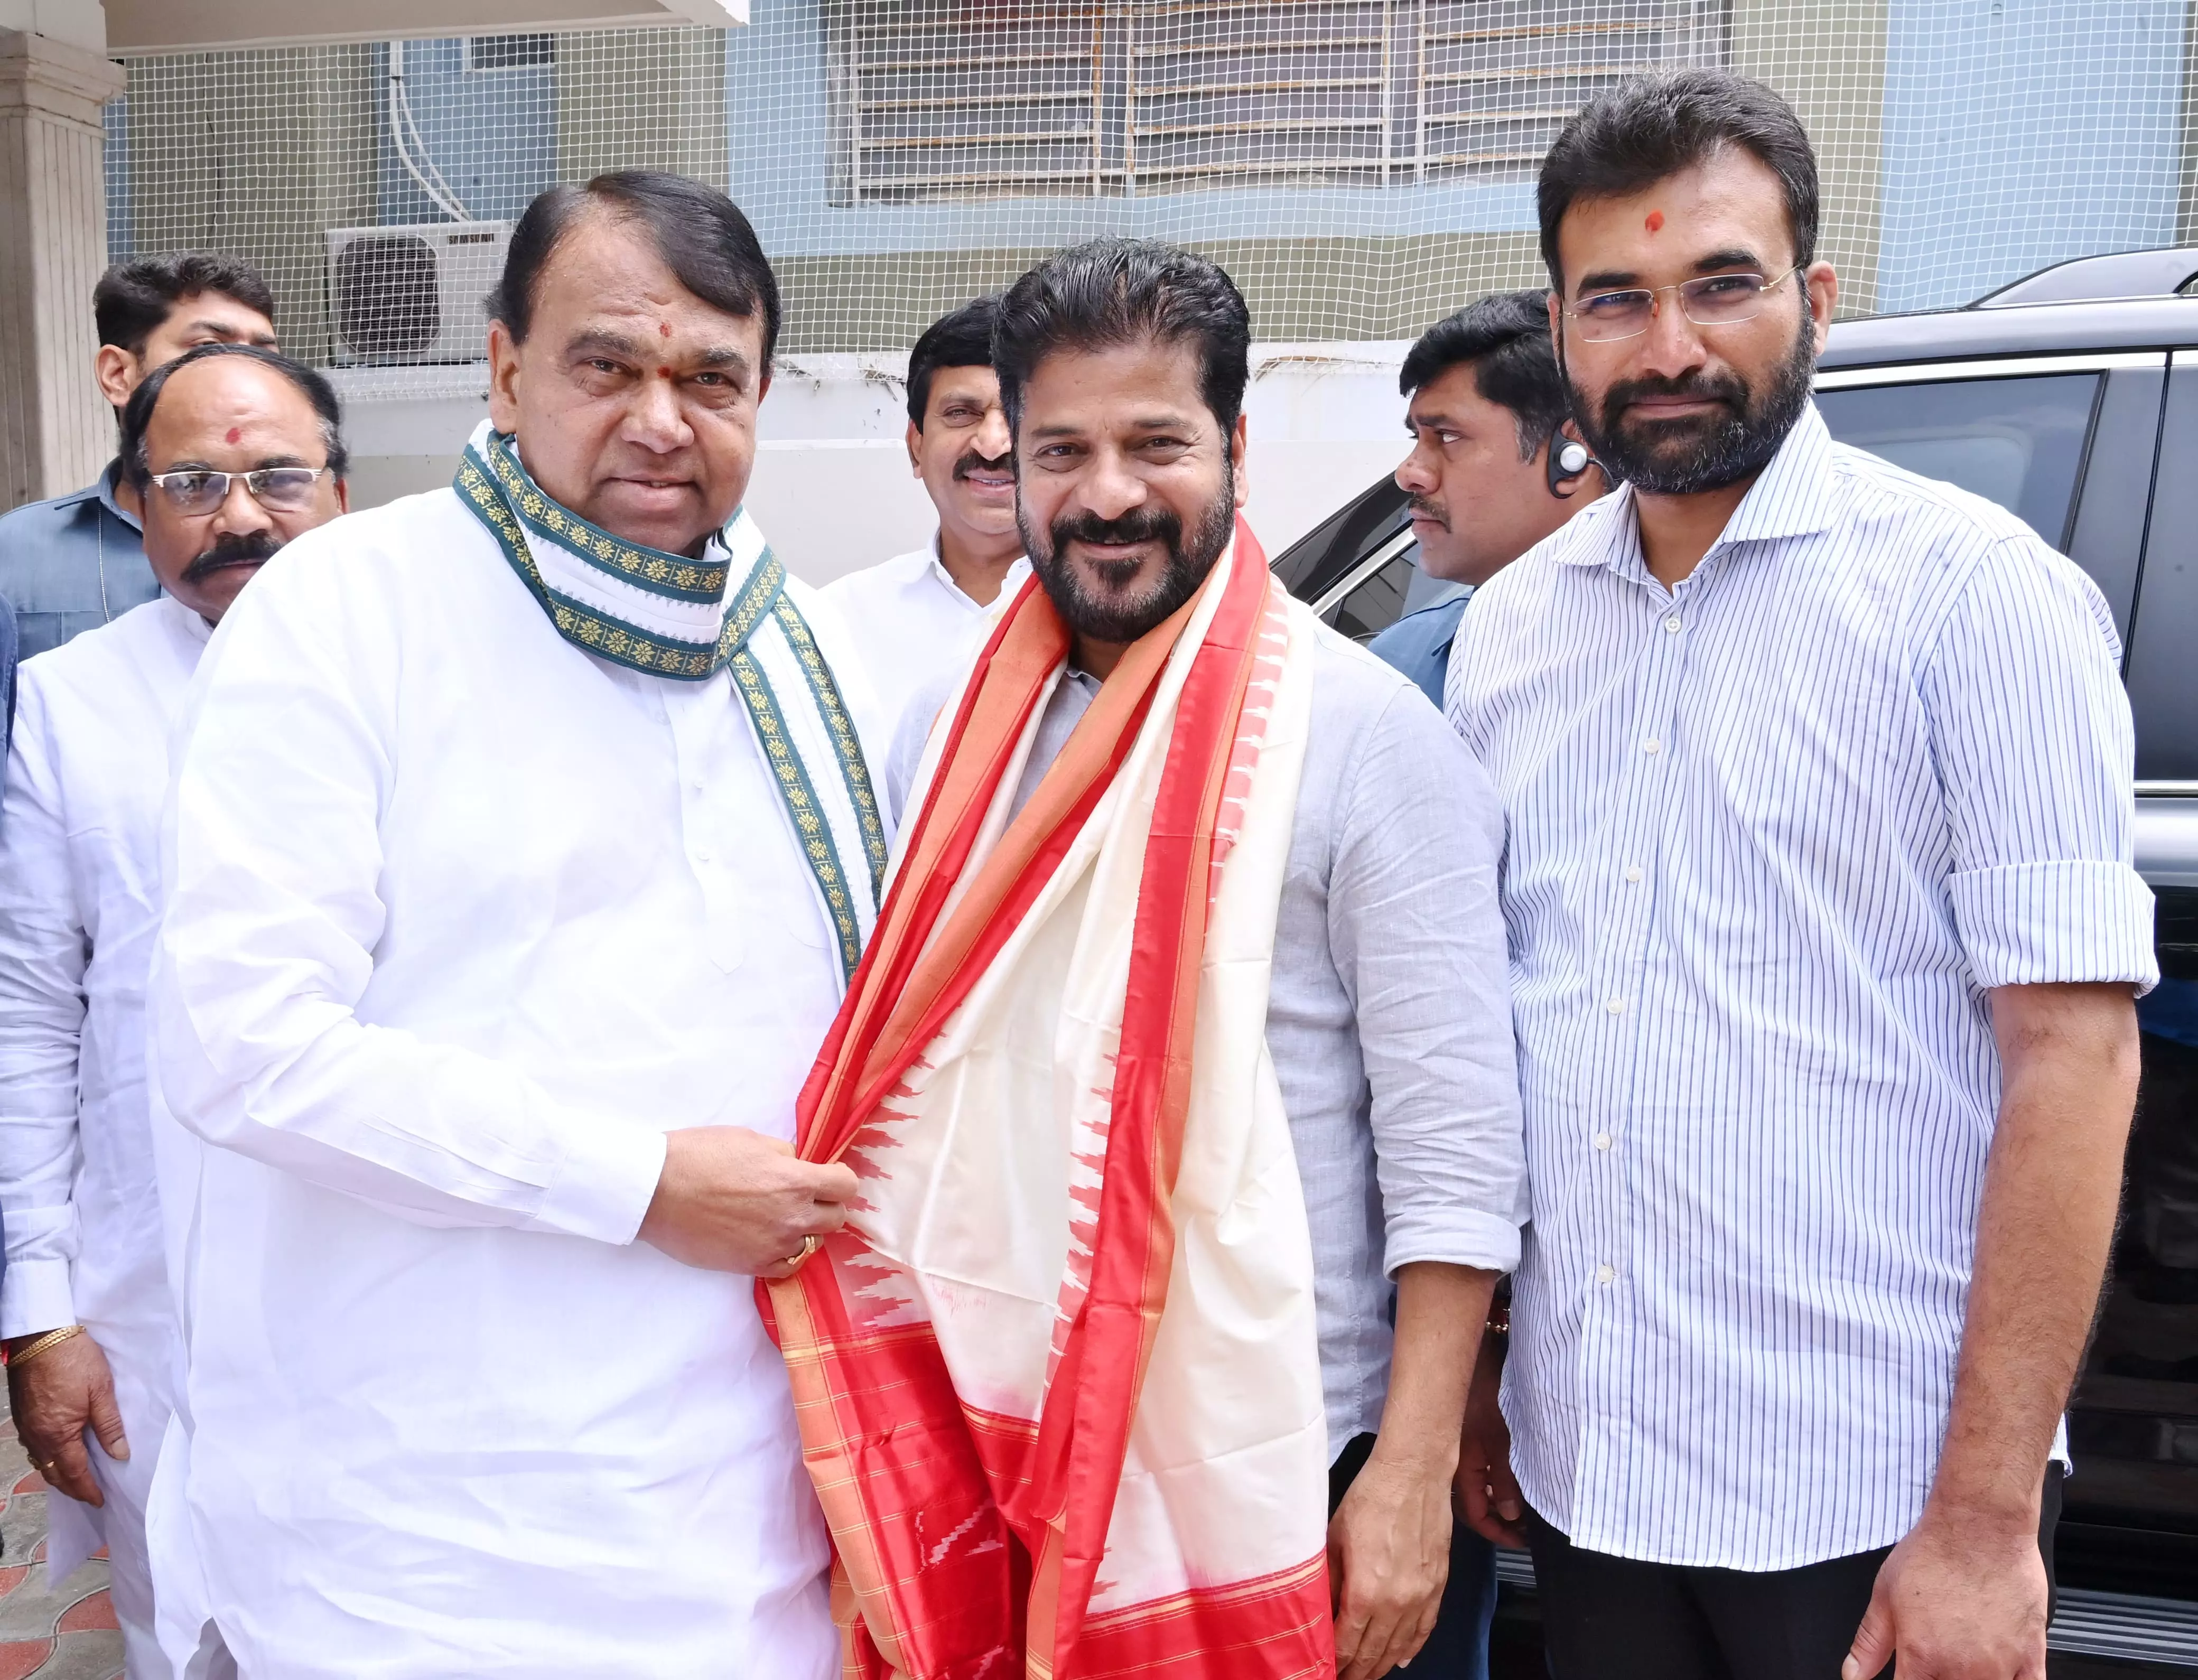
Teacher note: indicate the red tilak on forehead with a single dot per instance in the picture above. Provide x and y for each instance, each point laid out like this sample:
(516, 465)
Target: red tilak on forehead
(664, 329)
(1656, 221)
(234, 433)
(664, 373)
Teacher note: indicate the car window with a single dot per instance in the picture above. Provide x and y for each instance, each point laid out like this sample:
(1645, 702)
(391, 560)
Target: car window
(1397, 588)
(2018, 441)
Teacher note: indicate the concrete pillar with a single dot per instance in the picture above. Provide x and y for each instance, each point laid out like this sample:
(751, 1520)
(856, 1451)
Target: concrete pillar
(56, 431)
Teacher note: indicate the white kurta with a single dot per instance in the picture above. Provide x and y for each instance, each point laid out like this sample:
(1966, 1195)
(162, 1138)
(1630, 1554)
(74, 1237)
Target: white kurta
(910, 621)
(461, 920)
(79, 904)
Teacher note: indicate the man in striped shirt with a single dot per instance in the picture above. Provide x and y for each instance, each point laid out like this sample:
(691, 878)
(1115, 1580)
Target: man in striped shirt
(1816, 777)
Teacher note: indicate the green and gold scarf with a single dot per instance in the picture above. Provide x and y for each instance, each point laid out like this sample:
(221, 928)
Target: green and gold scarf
(687, 619)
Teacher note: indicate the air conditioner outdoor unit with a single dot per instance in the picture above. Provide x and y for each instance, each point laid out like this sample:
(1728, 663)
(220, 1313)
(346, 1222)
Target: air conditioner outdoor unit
(412, 294)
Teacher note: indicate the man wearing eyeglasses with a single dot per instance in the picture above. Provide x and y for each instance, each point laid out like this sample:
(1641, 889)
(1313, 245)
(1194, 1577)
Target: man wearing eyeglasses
(1824, 933)
(232, 451)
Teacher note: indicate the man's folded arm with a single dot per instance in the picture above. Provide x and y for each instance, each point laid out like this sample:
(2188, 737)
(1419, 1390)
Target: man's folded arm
(273, 854)
(43, 958)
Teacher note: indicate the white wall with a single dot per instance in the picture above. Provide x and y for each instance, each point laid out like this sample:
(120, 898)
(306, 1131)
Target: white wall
(79, 23)
(833, 488)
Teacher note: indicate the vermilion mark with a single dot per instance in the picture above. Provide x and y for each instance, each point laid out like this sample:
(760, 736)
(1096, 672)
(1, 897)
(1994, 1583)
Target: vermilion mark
(1656, 221)
(234, 433)
(664, 373)
(664, 329)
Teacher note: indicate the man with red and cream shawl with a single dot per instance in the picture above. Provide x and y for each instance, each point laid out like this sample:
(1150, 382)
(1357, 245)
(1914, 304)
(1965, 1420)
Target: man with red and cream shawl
(1185, 1030)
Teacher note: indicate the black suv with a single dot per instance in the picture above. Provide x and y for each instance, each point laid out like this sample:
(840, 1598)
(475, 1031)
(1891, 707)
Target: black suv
(2071, 399)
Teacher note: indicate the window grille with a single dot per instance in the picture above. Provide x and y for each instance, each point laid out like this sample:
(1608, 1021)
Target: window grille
(510, 52)
(957, 99)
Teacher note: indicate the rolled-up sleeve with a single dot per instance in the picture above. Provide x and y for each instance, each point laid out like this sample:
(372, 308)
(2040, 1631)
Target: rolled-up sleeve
(2031, 726)
(1419, 942)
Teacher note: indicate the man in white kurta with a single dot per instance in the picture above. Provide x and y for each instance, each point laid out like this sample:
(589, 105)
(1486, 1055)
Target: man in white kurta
(449, 953)
(918, 616)
(80, 899)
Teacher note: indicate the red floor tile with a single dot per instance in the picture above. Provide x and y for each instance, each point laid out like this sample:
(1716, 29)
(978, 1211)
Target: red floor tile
(93, 1610)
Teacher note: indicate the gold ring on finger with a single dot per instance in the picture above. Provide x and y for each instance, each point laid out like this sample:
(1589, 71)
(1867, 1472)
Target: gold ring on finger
(810, 1244)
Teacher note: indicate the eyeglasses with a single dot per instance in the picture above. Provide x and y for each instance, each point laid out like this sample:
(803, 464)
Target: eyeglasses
(1707, 300)
(282, 490)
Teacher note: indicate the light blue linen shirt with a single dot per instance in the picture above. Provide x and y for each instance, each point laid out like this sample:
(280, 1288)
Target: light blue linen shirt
(73, 564)
(1771, 836)
(1388, 1018)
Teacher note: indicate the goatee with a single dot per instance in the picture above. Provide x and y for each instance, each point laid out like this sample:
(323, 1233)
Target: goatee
(1685, 457)
(1114, 618)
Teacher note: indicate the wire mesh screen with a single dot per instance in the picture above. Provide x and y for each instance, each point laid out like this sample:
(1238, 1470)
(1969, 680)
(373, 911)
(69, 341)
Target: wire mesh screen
(1361, 167)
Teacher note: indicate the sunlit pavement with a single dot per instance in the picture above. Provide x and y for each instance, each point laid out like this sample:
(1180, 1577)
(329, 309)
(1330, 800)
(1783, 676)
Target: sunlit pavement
(65, 1634)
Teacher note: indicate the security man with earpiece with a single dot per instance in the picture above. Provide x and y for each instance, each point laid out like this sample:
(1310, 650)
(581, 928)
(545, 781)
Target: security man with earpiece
(1495, 466)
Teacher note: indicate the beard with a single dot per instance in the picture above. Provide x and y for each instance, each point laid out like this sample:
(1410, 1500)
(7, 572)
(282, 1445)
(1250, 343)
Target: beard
(230, 549)
(1114, 616)
(1685, 457)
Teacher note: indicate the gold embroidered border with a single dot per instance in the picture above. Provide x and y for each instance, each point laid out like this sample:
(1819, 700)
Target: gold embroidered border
(649, 568)
(846, 743)
(795, 788)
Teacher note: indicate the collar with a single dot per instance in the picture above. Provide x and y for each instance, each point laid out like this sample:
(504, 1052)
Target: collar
(1018, 569)
(194, 623)
(108, 482)
(1797, 495)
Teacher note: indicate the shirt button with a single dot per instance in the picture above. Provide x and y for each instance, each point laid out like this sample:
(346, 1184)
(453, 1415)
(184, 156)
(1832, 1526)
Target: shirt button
(702, 854)
(1633, 872)
(1605, 1273)
(1674, 624)
(1651, 744)
(1616, 1005)
(1602, 1140)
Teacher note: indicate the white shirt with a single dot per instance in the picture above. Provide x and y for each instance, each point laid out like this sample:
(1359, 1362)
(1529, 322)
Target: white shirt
(911, 622)
(79, 904)
(1773, 834)
(79, 901)
(462, 921)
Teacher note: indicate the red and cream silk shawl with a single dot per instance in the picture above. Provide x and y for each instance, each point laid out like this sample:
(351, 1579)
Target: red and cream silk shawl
(1058, 1379)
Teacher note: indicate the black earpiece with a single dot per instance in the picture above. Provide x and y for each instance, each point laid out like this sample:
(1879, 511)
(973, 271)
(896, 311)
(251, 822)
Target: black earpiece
(1568, 459)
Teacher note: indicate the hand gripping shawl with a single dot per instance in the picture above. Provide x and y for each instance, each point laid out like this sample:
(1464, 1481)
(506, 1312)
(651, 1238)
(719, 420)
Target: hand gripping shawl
(1058, 1379)
(687, 619)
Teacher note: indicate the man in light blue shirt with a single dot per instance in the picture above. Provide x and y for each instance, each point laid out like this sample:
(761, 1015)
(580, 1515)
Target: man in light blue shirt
(1817, 784)
(79, 561)
(1494, 468)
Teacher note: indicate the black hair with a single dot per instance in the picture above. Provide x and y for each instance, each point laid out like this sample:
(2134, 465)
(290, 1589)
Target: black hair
(1649, 128)
(1114, 292)
(133, 299)
(1506, 337)
(701, 235)
(137, 413)
(962, 340)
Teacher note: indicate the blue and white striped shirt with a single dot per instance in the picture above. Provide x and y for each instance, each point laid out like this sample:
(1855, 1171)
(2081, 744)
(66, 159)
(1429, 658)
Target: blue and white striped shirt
(1772, 835)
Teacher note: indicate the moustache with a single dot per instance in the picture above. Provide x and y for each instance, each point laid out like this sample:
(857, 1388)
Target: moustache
(1694, 384)
(1140, 525)
(1427, 509)
(972, 462)
(230, 549)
